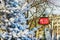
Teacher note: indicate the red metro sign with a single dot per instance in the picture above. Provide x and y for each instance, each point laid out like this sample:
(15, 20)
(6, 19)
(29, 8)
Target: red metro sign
(44, 20)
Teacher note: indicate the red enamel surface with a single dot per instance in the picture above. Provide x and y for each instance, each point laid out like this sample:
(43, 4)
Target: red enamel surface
(44, 20)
